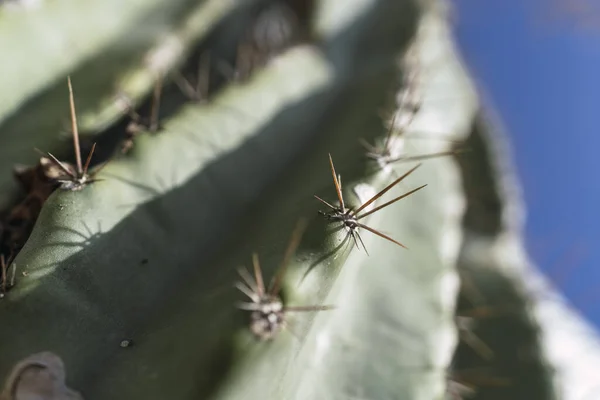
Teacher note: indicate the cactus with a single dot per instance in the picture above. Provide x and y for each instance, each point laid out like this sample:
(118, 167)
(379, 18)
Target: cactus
(129, 281)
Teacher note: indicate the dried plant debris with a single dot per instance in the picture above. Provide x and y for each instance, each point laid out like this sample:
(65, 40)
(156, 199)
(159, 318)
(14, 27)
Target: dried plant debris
(268, 313)
(38, 184)
(40, 376)
(8, 272)
(350, 218)
(16, 226)
(5, 282)
(139, 124)
(73, 177)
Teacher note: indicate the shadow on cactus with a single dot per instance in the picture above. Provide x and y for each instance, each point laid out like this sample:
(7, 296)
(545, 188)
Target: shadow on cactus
(511, 362)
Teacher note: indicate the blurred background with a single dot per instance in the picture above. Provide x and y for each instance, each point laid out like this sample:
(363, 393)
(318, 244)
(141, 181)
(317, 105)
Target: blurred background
(537, 61)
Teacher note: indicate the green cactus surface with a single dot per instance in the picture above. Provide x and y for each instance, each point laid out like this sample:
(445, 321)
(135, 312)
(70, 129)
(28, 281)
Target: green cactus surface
(130, 281)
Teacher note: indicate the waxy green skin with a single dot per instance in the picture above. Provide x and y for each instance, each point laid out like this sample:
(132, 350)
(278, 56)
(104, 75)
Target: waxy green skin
(148, 255)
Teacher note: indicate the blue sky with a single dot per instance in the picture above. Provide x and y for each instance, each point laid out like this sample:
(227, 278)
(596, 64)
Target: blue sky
(542, 75)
